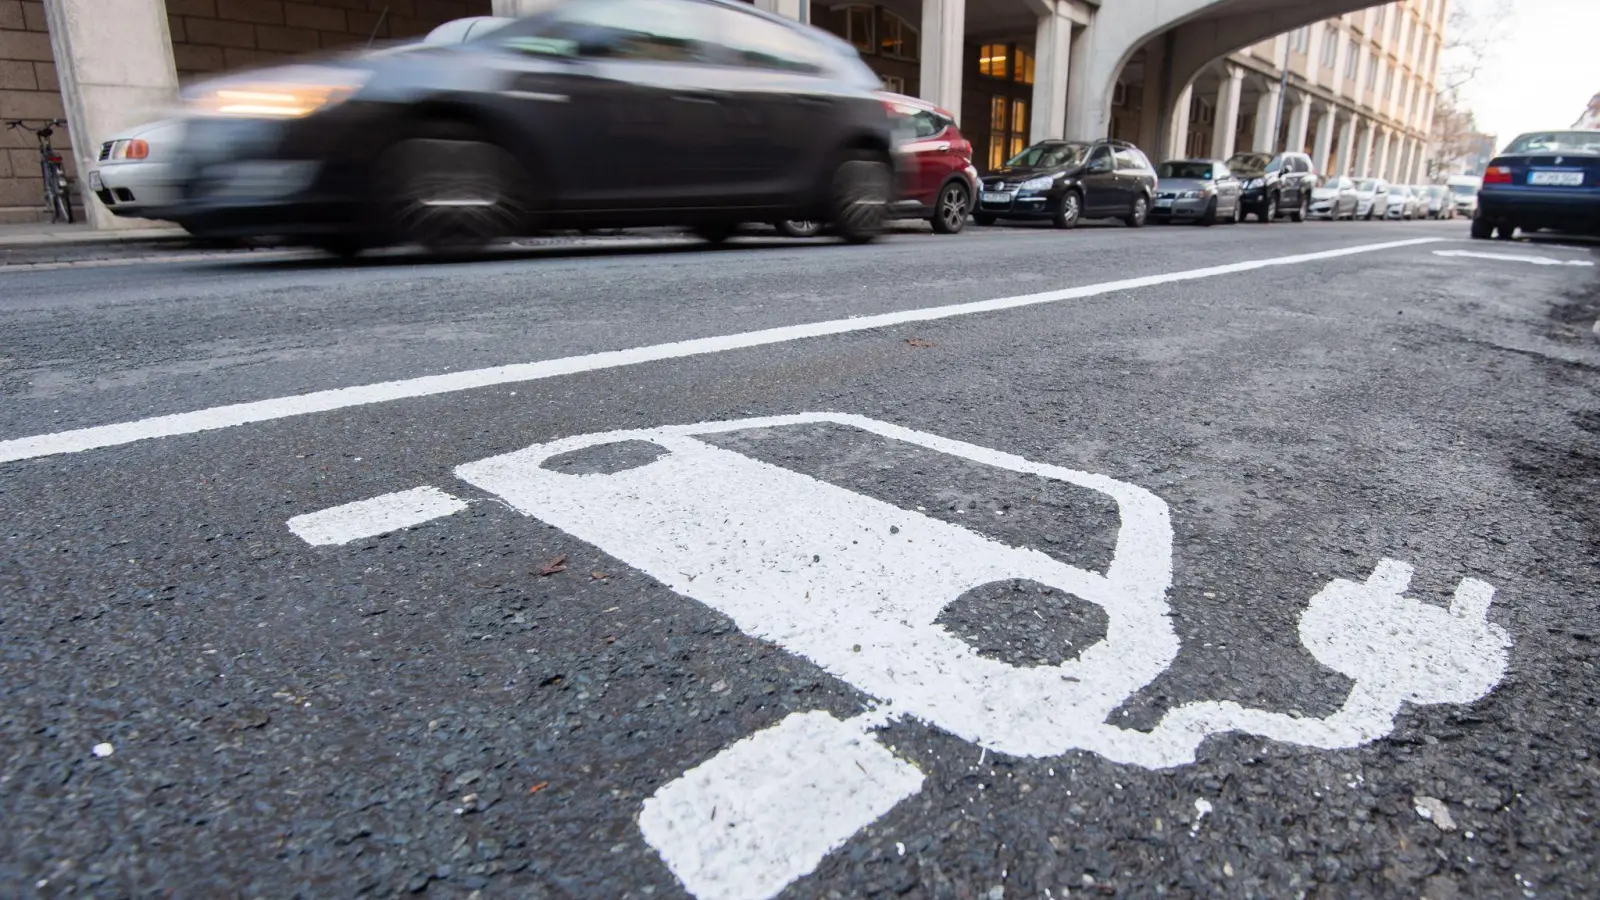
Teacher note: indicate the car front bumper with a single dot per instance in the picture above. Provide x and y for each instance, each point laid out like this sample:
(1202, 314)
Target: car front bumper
(1322, 209)
(1179, 207)
(1019, 204)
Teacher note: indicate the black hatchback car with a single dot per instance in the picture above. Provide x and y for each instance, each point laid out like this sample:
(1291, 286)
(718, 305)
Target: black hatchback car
(592, 113)
(1275, 186)
(1064, 181)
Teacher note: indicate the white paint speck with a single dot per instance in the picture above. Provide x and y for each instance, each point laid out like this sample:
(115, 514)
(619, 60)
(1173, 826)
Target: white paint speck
(1202, 808)
(899, 848)
(103, 750)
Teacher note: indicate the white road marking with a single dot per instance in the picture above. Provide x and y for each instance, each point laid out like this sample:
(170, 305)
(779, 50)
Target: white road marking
(1511, 257)
(379, 515)
(218, 417)
(766, 810)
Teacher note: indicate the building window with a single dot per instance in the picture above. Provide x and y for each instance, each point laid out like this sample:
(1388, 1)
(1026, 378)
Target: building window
(893, 83)
(1119, 95)
(1330, 48)
(992, 61)
(1008, 129)
(854, 24)
(897, 39)
(1022, 72)
(1300, 40)
(1200, 111)
(1352, 62)
(1377, 19)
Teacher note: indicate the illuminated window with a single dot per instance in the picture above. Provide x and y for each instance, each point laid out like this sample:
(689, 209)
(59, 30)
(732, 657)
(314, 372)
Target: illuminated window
(897, 38)
(1023, 70)
(992, 61)
(1008, 128)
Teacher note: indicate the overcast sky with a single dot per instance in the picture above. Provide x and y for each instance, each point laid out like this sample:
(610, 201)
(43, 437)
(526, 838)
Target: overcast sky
(1543, 67)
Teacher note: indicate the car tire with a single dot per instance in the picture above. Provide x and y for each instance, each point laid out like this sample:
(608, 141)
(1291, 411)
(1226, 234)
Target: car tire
(982, 220)
(449, 189)
(1299, 213)
(1505, 231)
(1071, 212)
(799, 228)
(950, 209)
(1139, 214)
(1209, 217)
(860, 197)
(1266, 214)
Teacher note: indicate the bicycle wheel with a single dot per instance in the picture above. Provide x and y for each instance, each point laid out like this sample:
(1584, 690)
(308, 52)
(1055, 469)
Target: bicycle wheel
(62, 198)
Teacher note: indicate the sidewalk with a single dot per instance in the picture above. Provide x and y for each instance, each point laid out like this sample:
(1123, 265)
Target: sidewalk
(38, 234)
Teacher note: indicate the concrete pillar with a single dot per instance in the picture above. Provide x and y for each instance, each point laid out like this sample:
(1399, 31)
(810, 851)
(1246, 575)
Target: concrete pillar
(1347, 146)
(1150, 91)
(1266, 139)
(1363, 167)
(1052, 49)
(1380, 165)
(1323, 148)
(1178, 134)
(114, 61)
(791, 9)
(1224, 131)
(1299, 122)
(944, 29)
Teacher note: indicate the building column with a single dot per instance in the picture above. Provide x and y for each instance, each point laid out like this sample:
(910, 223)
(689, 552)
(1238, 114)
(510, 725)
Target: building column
(944, 28)
(1324, 145)
(1347, 146)
(1052, 50)
(1224, 131)
(1364, 151)
(1299, 123)
(1266, 140)
(1380, 165)
(114, 61)
(1178, 135)
(789, 9)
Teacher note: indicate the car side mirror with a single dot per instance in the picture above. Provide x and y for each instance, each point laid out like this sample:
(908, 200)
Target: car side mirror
(1099, 166)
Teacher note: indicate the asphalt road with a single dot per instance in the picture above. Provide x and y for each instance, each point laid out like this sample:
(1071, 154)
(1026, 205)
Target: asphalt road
(1094, 590)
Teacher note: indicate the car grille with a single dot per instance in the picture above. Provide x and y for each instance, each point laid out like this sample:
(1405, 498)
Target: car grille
(105, 150)
(998, 185)
(1166, 195)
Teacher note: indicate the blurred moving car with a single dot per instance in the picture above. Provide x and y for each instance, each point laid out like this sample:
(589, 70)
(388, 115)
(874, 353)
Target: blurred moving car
(1545, 179)
(1464, 192)
(1065, 181)
(933, 162)
(1334, 198)
(1275, 185)
(590, 113)
(1402, 203)
(137, 173)
(1372, 198)
(1196, 190)
(1439, 203)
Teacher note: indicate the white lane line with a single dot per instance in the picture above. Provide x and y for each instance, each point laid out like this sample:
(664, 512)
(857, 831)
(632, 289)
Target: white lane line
(1511, 257)
(375, 516)
(217, 417)
(765, 811)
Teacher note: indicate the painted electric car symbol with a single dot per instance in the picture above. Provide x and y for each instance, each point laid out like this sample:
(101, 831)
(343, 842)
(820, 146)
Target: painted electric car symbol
(856, 585)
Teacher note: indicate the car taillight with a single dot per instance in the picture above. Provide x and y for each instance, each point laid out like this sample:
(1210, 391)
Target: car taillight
(1497, 175)
(136, 149)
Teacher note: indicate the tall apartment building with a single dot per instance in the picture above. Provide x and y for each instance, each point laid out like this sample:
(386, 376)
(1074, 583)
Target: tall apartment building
(1356, 92)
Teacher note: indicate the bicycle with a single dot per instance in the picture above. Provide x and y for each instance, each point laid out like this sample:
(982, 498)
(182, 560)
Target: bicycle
(56, 192)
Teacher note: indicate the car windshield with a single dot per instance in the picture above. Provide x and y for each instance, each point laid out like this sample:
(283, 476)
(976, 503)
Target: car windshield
(1367, 185)
(1253, 163)
(1560, 141)
(1187, 169)
(1400, 190)
(1050, 154)
(1464, 190)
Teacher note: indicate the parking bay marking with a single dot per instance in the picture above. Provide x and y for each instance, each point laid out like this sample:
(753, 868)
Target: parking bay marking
(217, 417)
(1511, 257)
(856, 585)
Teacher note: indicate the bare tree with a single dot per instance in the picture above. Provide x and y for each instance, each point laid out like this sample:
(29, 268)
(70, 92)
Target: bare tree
(1470, 41)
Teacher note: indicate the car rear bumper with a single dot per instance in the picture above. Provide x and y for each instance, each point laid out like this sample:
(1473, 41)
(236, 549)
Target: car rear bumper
(1544, 207)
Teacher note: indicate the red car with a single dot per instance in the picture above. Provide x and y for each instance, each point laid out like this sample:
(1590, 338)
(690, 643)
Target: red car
(937, 179)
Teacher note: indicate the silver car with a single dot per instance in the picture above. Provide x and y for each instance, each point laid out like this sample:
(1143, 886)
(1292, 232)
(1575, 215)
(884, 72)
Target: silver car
(1334, 198)
(1372, 198)
(1402, 203)
(1196, 190)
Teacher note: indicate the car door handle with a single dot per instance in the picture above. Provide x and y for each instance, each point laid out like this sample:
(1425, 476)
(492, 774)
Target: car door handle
(942, 147)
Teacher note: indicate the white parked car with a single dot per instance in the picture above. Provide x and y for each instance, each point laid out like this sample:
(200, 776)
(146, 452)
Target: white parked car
(1335, 198)
(1464, 193)
(1372, 198)
(1402, 203)
(134, 175)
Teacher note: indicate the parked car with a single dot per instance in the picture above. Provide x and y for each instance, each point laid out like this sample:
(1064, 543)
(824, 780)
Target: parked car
(933, 162)
(1196, 190)
(1439, 203)
(1546, 179)
(703, 113)
(1065, 181)
(1334, 198)
(137, 173)
(1372, 198)
(1275, 185)
(1402, 203)
(1464, 193)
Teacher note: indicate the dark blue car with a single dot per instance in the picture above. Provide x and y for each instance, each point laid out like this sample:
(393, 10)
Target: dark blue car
(1544, 179)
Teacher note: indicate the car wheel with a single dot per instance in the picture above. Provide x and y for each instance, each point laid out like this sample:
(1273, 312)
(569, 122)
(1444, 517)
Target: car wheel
(451, 190)
(860, 201)
(1209, 217)
(1505, 231)
(1071, 210)
(1268, 213)
(799, 228)
(1299, 213)
(983, 220)
(950, 212)
(1141, 211)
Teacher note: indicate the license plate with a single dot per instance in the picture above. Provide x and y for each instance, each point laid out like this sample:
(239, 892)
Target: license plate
(1559, 179)
(992, 197)
(95, 184)
(1163, 202)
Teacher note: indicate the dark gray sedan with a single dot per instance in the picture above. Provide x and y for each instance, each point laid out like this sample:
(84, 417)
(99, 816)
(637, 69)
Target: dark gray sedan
(1196, 190)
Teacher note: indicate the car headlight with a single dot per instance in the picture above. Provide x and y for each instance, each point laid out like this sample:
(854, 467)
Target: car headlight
(291, 92)
(1191, 195)
(1253, 184)
(1042, 183)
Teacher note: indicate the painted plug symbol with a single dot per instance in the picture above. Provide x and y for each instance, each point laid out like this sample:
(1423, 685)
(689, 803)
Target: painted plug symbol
(1402, 650)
